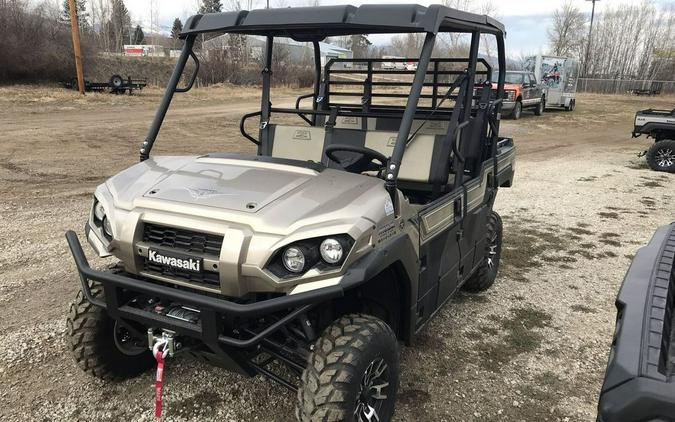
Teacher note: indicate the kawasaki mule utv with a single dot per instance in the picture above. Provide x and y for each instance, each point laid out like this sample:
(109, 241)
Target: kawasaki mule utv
(310, 261)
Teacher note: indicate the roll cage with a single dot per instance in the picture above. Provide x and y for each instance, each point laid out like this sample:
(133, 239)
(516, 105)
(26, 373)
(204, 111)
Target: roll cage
(473, 118)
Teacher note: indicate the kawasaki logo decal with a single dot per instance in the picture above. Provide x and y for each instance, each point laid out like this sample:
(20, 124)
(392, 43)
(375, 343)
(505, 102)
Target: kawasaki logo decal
(185, 263)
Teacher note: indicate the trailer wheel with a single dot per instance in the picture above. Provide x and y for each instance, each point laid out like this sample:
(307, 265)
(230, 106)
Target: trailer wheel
(661, 156)
(116, 81)
(352, 373)
(517, 110)
(541, 107)
(572, 106)
(101, 346)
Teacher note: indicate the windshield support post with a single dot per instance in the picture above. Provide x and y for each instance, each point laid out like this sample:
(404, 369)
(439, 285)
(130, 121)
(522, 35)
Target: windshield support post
(394, 164)
(317, 77)
(265, 103)
(166, 100)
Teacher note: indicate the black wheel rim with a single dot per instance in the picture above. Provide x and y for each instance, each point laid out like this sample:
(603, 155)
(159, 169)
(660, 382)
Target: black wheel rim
(491, 252)
(665, 157)
(126, 343)
(372, 391)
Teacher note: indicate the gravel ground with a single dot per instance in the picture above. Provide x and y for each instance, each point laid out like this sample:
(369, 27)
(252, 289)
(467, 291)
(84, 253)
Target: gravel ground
(533, 348)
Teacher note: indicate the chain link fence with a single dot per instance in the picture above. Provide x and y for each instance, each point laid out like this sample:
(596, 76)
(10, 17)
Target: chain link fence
(624, 86)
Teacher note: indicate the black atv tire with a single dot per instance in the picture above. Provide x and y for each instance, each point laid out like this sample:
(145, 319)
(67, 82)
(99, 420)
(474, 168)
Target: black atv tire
(354, 351)
(93, 345)
(517, 110)
(486, 274)
(661, 156)
(540, 107)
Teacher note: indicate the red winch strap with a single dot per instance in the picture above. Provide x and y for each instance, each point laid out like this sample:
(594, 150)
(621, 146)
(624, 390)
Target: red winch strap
(159, 356)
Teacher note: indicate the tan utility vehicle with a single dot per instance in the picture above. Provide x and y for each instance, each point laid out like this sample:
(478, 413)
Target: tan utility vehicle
(341, 238)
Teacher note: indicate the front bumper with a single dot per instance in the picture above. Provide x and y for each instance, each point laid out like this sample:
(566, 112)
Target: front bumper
(639, 382)
(508, 106)
(117, 286)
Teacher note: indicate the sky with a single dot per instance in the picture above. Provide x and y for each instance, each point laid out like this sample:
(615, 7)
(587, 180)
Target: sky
(526, 21)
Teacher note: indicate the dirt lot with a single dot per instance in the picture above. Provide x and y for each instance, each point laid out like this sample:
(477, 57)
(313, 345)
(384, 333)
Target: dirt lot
(533, 348)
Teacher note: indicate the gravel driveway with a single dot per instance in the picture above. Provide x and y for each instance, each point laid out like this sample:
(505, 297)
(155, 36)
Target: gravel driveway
(533, 348)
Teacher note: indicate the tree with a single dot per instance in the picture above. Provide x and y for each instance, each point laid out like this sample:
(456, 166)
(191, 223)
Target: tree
(80, 10)
(566, 34)
(118, 27)
(210, 6)
(139, 36)
(176, 28)
(359, 43)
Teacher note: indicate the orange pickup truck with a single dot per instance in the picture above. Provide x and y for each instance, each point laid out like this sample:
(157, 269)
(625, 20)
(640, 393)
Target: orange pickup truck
(521, 90)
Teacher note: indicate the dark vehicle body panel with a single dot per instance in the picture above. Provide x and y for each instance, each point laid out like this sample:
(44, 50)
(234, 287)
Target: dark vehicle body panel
(639, 382)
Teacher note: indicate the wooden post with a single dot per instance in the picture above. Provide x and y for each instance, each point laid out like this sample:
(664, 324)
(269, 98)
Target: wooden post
(75, 32)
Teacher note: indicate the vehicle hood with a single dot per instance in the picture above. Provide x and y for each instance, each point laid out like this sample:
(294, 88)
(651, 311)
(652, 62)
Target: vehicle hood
(245, 190)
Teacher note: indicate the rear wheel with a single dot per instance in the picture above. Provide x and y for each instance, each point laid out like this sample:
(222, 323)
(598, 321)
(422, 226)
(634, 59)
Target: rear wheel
(101, 346)
(352, 373)
(540, 107)
(486, 274)
(661, 156)
(517, 110)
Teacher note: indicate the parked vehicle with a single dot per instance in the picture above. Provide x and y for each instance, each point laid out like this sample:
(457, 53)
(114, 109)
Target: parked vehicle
(522, 91)
(560, 76)
(341, 238)
(654, 88)
(659, 125)
(640, 378)
(116, 85)
(392, 62)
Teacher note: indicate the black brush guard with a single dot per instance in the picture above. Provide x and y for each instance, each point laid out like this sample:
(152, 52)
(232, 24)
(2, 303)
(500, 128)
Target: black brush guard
(234, 353)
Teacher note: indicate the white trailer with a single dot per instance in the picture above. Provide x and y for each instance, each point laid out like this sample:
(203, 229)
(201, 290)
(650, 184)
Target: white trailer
(559, 75)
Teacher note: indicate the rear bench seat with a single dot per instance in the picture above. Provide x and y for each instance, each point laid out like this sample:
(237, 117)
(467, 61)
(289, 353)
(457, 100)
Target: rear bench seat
(308, 143)
(432, 127)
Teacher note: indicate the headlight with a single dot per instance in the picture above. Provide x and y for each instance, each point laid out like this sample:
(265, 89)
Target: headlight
(331, 251)
(319, 253)
(107, 227)
(293, 259)
(99, 211)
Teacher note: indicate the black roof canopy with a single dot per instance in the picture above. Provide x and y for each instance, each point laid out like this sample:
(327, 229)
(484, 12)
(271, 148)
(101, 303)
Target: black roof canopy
(315, 23)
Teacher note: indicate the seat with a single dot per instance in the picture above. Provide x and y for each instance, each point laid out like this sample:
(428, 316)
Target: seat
(305, 143)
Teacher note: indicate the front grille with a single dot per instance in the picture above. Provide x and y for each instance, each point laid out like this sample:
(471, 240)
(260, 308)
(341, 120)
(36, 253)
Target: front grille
(207, 278)
(182, 239)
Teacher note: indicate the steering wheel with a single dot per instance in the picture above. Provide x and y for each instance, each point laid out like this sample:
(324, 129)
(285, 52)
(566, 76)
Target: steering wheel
(362, 162)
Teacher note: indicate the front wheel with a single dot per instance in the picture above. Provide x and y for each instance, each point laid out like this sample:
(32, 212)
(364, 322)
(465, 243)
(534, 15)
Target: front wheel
(517, 110)
(661, 156)
(352, 373)
(486, 274)
(101, 346)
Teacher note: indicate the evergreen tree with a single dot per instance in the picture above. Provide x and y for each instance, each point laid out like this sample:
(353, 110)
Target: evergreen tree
(80, 10)
(176, 29)
(139, 36)
(210, 6)
(118, 28)
(359, 45)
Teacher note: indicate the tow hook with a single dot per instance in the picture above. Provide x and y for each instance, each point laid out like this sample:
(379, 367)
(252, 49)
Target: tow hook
(166, 341)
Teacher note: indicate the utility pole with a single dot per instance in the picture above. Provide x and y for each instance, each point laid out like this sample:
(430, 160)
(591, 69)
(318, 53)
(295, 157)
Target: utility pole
(75, 32)
(590, 34)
